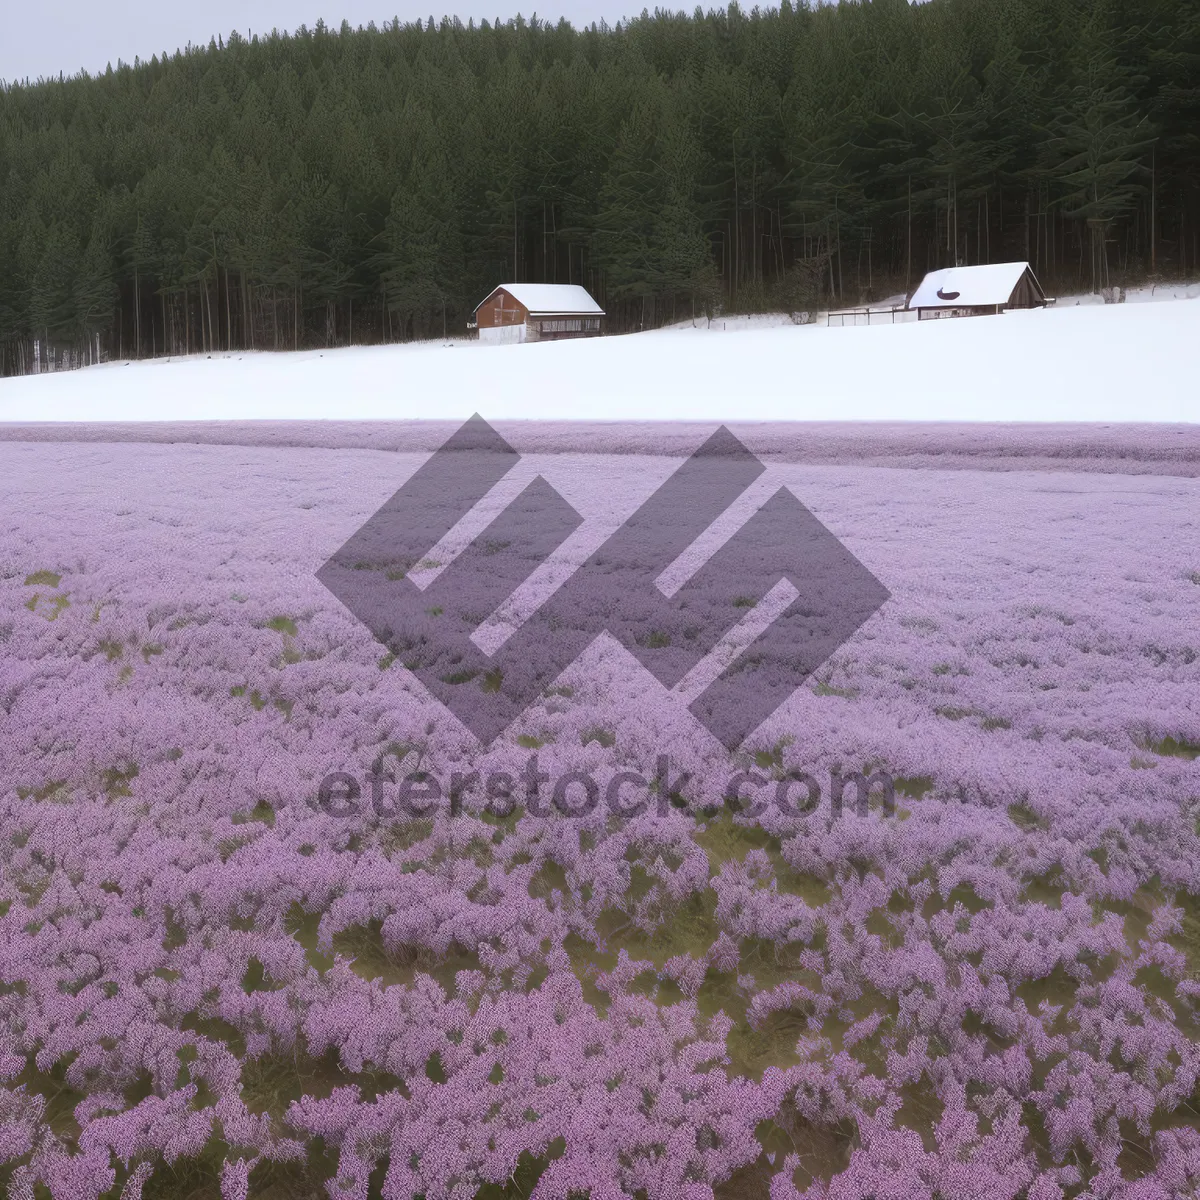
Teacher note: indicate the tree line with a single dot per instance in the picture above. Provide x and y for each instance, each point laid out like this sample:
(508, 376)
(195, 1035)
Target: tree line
(364, 185)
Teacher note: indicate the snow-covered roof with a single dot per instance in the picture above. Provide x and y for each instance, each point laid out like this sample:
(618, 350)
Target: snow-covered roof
(958, 287)
(550, 299)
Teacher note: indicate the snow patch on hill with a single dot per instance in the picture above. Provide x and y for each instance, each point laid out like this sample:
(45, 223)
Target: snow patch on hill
(1095, 363)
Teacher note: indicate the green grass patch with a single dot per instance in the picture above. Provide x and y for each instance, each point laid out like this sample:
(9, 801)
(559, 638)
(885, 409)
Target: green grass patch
(823, 1150)
(954, 714)
(1047, 889)
(586, 960)
(920, 1111)
(303, 926)
(549, 876)
(827, 689)
(963, 894)
(772, 759)
(1057, 988)
(54, 790)
(262, 811)
(1187, 941)
(270, 1083)
(400, 966)
(402, 836)
(913, 787)
(690, 928)
(290, 654)
(228, 847)
(116, 781)
(525, 1178)
(772, 1044)
(603, 737)
(255, 979)
(724, 840)
(61, 1098)
(285, 625)
(54, 607)
(1176, 748)
(1025, 818)
(50, 579)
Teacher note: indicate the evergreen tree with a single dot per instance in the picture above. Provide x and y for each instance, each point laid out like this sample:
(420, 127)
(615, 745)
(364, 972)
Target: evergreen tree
(423, 262)
(1098, 142)
(95, 288)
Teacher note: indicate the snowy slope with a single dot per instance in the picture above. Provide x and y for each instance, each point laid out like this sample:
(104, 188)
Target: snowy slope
(1133, 362)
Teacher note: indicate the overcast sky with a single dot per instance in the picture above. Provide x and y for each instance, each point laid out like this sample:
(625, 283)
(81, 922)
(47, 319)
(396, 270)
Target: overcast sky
(44, 37)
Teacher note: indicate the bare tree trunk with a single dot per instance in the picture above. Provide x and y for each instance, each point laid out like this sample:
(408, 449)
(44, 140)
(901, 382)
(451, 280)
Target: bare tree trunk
(1153, 239)
(733, 225)
(247, 324)
(837, 233)
(908, 268)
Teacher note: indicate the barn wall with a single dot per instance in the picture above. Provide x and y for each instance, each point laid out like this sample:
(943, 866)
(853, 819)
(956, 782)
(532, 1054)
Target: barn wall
(502, 334)
(501, 310)
(1025, 295)
(551, 329)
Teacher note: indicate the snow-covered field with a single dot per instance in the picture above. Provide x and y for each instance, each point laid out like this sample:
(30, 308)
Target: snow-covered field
(1075, 362)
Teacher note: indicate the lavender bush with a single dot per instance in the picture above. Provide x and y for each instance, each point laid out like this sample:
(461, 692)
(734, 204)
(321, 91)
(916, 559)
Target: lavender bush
(209, 986)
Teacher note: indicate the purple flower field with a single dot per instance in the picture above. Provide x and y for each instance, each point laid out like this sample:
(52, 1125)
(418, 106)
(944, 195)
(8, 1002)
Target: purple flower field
(214, 982)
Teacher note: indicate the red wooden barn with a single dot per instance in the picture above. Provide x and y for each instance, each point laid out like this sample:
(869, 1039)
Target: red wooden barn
(538, 312)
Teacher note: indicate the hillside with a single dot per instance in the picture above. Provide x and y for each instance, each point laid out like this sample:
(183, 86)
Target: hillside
(343, 185)
(1133, 362)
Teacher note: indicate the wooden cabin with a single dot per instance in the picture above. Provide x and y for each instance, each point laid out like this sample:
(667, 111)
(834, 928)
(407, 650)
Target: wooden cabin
(538, 312)
(975, 291)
